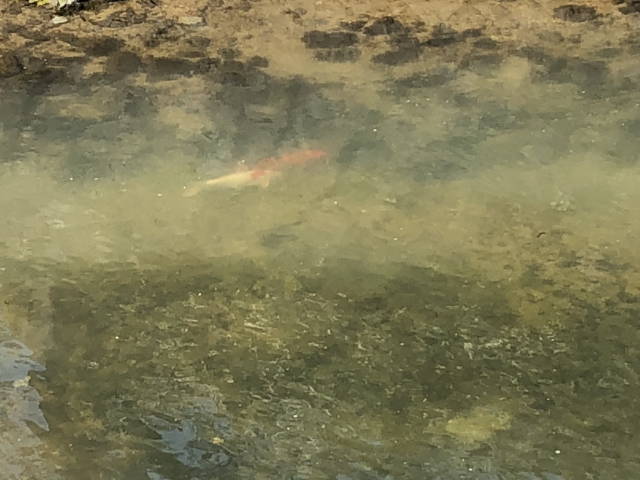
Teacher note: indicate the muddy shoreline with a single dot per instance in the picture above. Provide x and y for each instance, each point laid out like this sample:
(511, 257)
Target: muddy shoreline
(226, 39)
(252, 64)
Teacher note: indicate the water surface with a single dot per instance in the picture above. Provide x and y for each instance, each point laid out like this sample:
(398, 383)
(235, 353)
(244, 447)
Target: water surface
(453, 293)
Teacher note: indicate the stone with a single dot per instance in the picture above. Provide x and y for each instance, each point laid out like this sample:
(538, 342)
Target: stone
(123, 63)
(101, 47)
(58, 20)
(258, 62)
(167, 67)
(486, 43)
(443, 35)
(10, 65)
(337, 55)
(319, 39)
(575, 13)
(385, 26)
(354, 26)
(191, 20)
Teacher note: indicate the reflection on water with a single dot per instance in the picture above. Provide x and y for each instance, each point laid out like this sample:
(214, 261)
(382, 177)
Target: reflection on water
(21, 419)
(452, 294)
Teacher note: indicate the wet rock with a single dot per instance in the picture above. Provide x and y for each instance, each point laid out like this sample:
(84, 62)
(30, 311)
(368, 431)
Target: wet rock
(535, 55)
(199, 42)
(632, 127)
(632, 6)
(575, 13)
(406, 49)
(295, 14)
(56, 126)
(551, 37)
(385, 26)
(20, 404)
(486, 44)
(37, 75)
(67, 37)
(443, 35)
(10, 65)
(425, 80)
(137, 103)
(125, 18)
(470, 33)
(181, 439)
(355, 26)
(164, 32)
(362, 143)
(276, 239)
(101, 47)
(167, 67)
(440, 41)
(93, 47)
(574, 70)
(406, 42)
(609, 52)
(499, 117)
(232, 72)
(191, 54)
(68, 63)
(397, 56)
(207, 64)
(258, 62)
(229, 53)
(319, 39)
(30, 33)
(337, 55)
(480, 63)
(32, 64)
(41, 81)
(123, 63)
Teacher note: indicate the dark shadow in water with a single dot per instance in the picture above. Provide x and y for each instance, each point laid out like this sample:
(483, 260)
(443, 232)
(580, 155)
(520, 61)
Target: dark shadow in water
(230, 369)
(221, 368)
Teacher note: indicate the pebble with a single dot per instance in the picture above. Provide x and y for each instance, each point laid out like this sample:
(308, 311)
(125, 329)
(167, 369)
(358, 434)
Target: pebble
(189, 20)
(58, 20)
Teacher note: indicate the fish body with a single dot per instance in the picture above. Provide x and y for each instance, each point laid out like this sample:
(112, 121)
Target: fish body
(295, 158)
(260, 175)
(241, 179)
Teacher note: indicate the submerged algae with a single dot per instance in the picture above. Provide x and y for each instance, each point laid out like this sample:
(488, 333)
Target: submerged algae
(215, 369)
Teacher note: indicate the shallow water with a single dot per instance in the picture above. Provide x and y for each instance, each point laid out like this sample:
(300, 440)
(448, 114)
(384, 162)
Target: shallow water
(452, 294)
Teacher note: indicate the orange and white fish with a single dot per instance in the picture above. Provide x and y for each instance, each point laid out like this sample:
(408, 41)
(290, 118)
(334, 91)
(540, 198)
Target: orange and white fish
(260, 175)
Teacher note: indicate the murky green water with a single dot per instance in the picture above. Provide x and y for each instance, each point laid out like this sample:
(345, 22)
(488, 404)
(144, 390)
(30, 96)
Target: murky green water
(453, 294)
